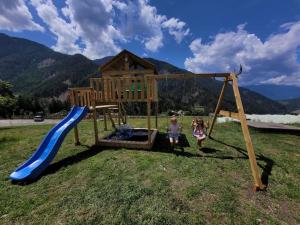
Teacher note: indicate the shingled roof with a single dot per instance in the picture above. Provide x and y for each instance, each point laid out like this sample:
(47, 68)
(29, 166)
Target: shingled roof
(135, 62)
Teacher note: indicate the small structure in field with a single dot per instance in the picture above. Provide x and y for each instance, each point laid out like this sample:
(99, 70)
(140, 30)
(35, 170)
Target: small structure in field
(296, 112)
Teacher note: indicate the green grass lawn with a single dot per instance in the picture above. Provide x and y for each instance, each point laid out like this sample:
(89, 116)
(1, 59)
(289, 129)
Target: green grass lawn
(87, 185)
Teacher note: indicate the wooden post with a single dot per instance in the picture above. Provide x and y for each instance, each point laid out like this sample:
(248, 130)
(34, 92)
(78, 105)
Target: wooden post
(156, 114)
(73, 98)
(246, 134)
(111, 119)
(218, 107)
(124, 114)
(119, 114)
(105, 119)
(76, 135)
(149, 109)
(149, 121)
(94, 115)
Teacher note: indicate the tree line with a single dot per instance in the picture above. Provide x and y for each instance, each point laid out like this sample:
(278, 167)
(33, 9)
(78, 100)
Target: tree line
(26, 105)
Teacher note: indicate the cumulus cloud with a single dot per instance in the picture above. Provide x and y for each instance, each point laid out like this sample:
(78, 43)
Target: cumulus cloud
(97, 28)
(271, 61)
(15, 16)
(93, 21)
(141, 21)
(65, 33)
(176, 28)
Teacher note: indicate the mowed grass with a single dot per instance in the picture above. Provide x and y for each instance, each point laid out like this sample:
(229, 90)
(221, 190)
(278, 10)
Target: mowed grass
(85, 185)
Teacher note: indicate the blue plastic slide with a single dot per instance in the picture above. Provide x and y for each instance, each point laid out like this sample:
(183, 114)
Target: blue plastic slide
(47, 150)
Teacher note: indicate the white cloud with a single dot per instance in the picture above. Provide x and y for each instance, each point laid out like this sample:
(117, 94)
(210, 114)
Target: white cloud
(65, 33)
(141, 21)
(275, 80)
(93, 21)
(270, 61)
(154, 43)
(15, 16)
(176, 28)
(97, 28)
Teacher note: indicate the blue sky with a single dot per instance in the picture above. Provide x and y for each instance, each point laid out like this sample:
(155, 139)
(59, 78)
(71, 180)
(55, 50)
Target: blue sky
(201, 36)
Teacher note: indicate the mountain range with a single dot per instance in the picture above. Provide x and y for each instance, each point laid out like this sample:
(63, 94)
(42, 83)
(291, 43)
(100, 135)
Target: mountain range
(276, 92)
(35, 69)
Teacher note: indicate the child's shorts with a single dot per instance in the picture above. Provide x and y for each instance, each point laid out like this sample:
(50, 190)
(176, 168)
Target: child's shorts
(174, 136)
(199, 137)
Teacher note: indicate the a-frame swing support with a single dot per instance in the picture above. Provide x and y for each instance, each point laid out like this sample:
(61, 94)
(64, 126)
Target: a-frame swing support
(228, 77)
(242, 117)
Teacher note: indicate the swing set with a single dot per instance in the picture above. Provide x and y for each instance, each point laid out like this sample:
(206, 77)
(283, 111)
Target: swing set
(129, 78)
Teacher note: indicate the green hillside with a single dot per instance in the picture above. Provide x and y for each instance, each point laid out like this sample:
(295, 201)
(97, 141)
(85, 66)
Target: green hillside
(291, 104)
(37, 70)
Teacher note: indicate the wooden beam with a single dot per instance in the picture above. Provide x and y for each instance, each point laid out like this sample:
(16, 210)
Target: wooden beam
(72, 95)
(233, 115)
(246, 134)
(119, 114)
(149, 108)
(188, 75)
(76, 135)
(111, 119)
(149, 121)
(156, 114)
(218, 107)
(105, 119)
(94, 116)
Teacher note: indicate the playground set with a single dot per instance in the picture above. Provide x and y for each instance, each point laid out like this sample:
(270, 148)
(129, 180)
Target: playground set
(126, 78)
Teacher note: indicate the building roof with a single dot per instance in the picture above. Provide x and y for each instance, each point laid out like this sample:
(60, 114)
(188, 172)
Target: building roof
(118, 62)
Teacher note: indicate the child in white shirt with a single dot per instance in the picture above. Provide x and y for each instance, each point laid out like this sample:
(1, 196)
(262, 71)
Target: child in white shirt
(174, 130)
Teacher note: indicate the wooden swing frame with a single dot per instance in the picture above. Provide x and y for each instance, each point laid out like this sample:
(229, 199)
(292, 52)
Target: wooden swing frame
(240, 115)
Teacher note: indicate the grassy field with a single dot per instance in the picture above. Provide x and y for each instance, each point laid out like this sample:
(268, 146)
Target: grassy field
(89, 185)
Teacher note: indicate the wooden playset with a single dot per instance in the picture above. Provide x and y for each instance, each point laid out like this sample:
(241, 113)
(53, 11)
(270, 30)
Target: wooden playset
(129, 78)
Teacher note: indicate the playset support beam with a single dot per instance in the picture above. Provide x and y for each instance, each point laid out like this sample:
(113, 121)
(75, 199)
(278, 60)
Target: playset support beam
(218, 107)
(76, 136)
(156, 114)
(73, 100)
(105, 119)
(246, 134)
(111, 119)
(119, 114)
(190, 75)
(94, 110)
(149, 120)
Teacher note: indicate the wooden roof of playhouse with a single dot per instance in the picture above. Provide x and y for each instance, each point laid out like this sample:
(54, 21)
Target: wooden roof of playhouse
(126, 63)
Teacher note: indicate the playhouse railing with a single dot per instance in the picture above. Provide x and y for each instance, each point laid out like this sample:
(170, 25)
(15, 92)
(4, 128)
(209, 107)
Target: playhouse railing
(84, 96)
(124, 89)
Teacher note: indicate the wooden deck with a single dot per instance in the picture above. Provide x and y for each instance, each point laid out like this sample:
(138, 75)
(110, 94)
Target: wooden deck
(273, 126)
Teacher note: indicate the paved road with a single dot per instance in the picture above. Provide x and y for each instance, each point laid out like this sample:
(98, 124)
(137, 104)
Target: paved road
(25, 122)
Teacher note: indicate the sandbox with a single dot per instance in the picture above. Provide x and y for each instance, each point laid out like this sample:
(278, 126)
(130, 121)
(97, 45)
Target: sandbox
(139, 140)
